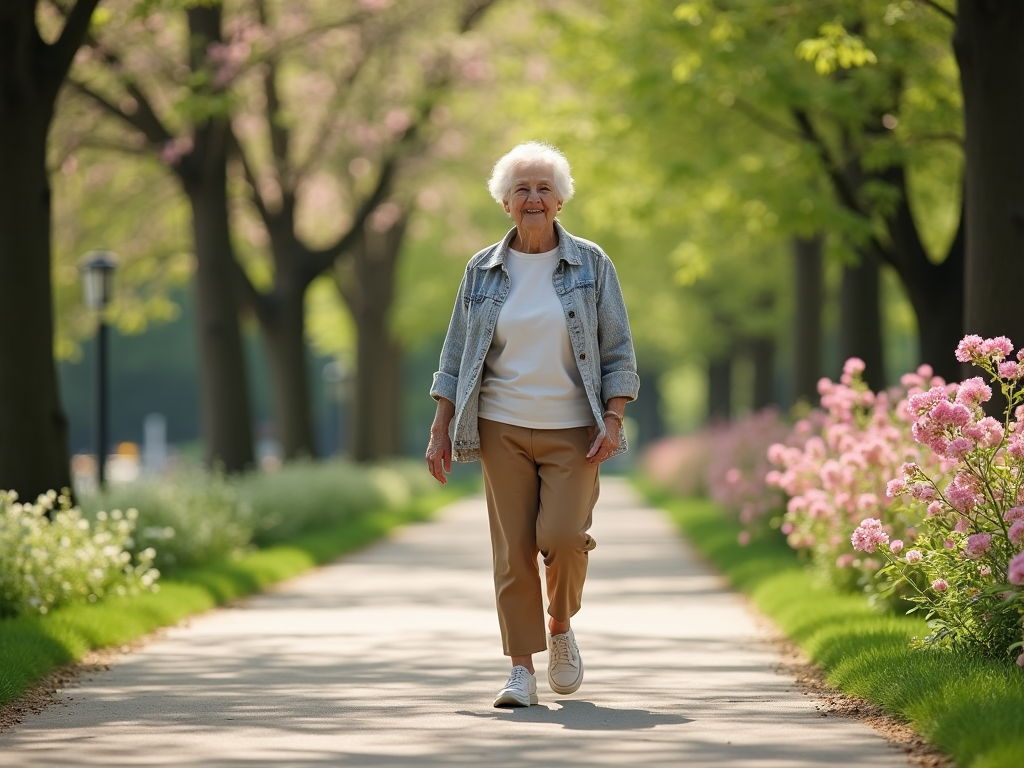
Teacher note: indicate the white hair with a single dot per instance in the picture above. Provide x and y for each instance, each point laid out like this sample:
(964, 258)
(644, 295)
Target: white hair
(503, 175)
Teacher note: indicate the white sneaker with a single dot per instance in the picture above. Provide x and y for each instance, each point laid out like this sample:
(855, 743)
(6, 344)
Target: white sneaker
(565, 667)
(519, 691)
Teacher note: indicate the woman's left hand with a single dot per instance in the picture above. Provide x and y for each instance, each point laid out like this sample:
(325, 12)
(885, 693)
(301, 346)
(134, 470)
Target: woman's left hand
(605, 445)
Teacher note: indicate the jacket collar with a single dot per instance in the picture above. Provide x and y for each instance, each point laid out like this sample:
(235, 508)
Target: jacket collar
(567, 249)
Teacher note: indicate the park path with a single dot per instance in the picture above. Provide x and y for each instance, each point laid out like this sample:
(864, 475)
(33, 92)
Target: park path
(391, 657)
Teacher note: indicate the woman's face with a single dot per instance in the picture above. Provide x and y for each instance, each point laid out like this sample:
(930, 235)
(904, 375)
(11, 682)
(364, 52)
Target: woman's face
(532, 200)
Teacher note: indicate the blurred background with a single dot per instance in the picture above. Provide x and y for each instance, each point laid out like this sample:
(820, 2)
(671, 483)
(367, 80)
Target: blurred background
(292, 190)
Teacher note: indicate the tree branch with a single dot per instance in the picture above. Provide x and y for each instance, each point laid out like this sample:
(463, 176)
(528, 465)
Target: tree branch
(845, 193)
(255, 195)
(144, 120)
(766, 121)
(71, 36)
(943, 11)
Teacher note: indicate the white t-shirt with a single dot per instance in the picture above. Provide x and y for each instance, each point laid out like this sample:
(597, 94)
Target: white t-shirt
(530, 376)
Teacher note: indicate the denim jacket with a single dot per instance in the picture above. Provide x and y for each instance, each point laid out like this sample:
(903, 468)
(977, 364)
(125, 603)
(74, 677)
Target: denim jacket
(595, 313)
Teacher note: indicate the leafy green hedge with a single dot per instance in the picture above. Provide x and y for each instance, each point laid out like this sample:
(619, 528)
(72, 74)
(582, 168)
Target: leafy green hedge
(33, 646)
(971, 709)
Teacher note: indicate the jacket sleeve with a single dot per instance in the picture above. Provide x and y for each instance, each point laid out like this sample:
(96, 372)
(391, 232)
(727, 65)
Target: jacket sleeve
(615, 342)
(446, 380)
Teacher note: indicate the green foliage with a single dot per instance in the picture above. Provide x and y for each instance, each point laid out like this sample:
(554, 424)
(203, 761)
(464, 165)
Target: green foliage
(194, 519)
(51, 556)
(973, 709)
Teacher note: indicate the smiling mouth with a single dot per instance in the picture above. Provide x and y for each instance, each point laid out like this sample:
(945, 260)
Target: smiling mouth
(533, 210)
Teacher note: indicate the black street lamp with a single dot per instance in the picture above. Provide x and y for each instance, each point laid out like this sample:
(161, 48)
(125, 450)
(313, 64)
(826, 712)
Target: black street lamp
(98, 284)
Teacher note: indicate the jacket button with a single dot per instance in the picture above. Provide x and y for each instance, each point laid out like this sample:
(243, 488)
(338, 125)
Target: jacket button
(572, 315)
(583, 356)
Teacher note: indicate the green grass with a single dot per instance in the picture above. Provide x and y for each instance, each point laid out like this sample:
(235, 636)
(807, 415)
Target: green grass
(32, 647)
(972, 709)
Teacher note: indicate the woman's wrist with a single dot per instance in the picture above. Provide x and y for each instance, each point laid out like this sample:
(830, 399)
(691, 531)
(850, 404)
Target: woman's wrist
(614, 415)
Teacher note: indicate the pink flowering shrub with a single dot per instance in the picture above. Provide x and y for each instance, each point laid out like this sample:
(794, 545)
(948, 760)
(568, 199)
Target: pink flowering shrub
(966, 566)
(678, 463)
(852, 446)
(735, 474)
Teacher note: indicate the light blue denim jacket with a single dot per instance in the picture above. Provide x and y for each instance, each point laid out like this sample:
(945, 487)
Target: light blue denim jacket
(595, 313)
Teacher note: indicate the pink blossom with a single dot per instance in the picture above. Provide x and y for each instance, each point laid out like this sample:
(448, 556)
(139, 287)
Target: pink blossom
(922, 492)
(1010, 370)
(845, 560)
(733, 476)
(949, 544)
(851, 369)
(913, 556)
(1016, 448)
(787, 528)
(867, 501)
(940, 585)
(895, 546)
(997, 348)
(984, 571)
(977, 545)
(1016, 532)
(945, 413)
(1013, 514)
(969, 348)
(1015, 569)
(895, 487)
(961, 525)
(959, 447)
(911, 532)
(973, 392)
(743, 538)
(869, 535)
(934, 508)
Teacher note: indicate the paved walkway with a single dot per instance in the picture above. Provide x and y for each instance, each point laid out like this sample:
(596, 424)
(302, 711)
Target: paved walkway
(391, 658)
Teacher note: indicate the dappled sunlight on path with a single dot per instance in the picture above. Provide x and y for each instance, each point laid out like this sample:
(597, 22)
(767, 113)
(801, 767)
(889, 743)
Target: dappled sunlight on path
(391, 657)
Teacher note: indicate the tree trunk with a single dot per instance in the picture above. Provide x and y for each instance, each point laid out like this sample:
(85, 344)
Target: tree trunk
(283, 326)
(860, 320)
(720, 390)
(646, 411)
(33, 427)
(227, 419)
(987, 41)
(807, 257)
(762, 354)
(367, 286)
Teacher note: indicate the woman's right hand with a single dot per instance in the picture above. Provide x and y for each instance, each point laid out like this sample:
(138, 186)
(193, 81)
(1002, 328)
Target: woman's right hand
(439, 456)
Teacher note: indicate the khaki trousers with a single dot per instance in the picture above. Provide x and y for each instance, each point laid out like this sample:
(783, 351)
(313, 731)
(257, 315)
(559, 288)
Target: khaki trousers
(541, 492)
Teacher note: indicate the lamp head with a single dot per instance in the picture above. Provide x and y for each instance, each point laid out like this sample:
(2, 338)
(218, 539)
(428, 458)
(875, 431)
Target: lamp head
(97, 269)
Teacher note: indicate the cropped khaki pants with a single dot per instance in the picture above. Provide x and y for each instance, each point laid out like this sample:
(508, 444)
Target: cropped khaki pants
(541, 492)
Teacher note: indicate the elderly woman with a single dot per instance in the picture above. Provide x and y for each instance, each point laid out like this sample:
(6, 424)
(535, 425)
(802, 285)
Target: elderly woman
(536, 370)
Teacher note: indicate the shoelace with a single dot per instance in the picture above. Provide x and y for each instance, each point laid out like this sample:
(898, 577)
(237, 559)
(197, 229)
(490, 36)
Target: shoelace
(560, 649)
(517, 678)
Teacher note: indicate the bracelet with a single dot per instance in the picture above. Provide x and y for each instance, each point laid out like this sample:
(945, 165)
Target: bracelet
(613, 414)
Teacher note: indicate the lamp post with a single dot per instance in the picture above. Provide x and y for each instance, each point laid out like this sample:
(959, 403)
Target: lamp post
(97, 283)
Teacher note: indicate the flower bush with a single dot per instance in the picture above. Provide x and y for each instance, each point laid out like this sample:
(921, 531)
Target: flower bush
(965, 568)
(196, 518)
(836, 469)
(51, 555)
(679, 463)
(735, 474)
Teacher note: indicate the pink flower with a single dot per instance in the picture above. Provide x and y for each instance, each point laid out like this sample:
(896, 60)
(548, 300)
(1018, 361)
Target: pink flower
(895, 487)
(733, 476)
(895, 546)
(869, 535)
(743, 538)
(1010, 370)
(977, 545)
(940, 585)
(949, 544)
(973, 392)
(969, 348)
(997, 348)
(1015, 569)
(913, 556)
(1016, 532)
(934, 508)
(922, 492)
(851, 369)
(787, 528)
(845, 560)
(959, 447)
(984, 571)
(867, 501)
(1015, 513)
(961, 525)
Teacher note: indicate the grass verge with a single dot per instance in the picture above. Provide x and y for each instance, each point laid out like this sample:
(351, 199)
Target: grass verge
(32, 647)
(971, 709)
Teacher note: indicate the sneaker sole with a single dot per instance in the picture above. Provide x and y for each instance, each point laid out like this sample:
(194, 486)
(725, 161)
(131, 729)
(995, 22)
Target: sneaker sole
(567, 689)
(511, 700)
